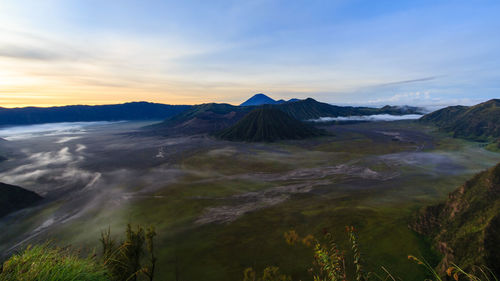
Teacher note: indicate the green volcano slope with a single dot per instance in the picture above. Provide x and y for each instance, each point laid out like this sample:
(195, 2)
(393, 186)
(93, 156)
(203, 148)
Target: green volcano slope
(480, 122)
(466, 228)
(266, 124)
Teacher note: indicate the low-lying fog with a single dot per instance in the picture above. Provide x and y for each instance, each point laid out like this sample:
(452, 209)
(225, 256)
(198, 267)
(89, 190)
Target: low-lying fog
(90, 166)
(86, 164)
(370, 118)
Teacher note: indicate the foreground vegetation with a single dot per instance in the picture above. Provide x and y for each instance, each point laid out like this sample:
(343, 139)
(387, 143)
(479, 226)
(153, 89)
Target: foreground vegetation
(43, 262)
(466, 228)
(333, 263)
(126, 261)
(129, 260)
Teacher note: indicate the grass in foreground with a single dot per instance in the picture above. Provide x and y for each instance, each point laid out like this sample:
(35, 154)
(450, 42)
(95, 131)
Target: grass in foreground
(131, 259)
(46, 263)
(125, 261)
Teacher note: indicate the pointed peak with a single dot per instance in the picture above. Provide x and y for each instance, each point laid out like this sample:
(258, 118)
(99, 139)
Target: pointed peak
(260, 95)
(258, 99)
(310, 100)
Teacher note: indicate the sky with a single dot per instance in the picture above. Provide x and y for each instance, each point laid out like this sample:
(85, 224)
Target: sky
(361, 52)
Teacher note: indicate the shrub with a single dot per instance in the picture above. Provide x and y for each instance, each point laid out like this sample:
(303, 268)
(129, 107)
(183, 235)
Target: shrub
(270, 273)
(132, 257)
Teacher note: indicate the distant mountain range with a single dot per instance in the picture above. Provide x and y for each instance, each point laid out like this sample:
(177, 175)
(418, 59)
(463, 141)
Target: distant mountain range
(466, 228)
(310, 109)
(213, 117)
(479, 122)
(268, 124)
(79, 113)
(13, 198)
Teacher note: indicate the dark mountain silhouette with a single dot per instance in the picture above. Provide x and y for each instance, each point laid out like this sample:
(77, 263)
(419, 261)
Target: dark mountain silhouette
(213, 117)
(77, 113)
(401, 110)
(204, 118)
(13, 198)
(479, 122)
(311, 109)
(260, 99)
(268, 124)
(466, 228)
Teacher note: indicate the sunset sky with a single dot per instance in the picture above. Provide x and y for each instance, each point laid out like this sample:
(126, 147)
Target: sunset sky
(428, 53)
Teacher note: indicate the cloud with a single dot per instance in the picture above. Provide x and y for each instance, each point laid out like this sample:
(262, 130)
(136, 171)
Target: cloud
(22, 52)
(41, 164)
(370, 118)
(423, 99)
(52, 129)
(80, 147)
(430, 78)
(403, 97)
(66, 139)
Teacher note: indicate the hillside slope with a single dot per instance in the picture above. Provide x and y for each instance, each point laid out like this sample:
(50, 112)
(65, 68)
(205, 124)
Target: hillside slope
(466, 228)
(79, 113)
(204, 118)
(13, 198)
(268, 124)
(480, 122)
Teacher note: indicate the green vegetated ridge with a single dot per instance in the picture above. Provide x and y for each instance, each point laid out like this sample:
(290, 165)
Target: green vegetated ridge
(13, 198)
(268, 124)
(466, 228)
(480, 122)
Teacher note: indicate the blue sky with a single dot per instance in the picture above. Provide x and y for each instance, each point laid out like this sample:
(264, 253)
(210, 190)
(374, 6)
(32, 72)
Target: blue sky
(429, 53)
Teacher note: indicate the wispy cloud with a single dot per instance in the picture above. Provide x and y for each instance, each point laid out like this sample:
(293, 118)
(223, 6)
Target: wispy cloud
(404, 97)
(23, 52)
(430, 78)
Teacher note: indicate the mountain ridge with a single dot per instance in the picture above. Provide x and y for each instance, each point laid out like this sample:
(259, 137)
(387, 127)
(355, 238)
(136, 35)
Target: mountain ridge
(467, 222)
(213, 117)
(13, 198)
(480, 122)
(82, 113)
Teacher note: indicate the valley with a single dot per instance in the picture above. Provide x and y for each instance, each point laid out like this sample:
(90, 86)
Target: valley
(221, 206)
